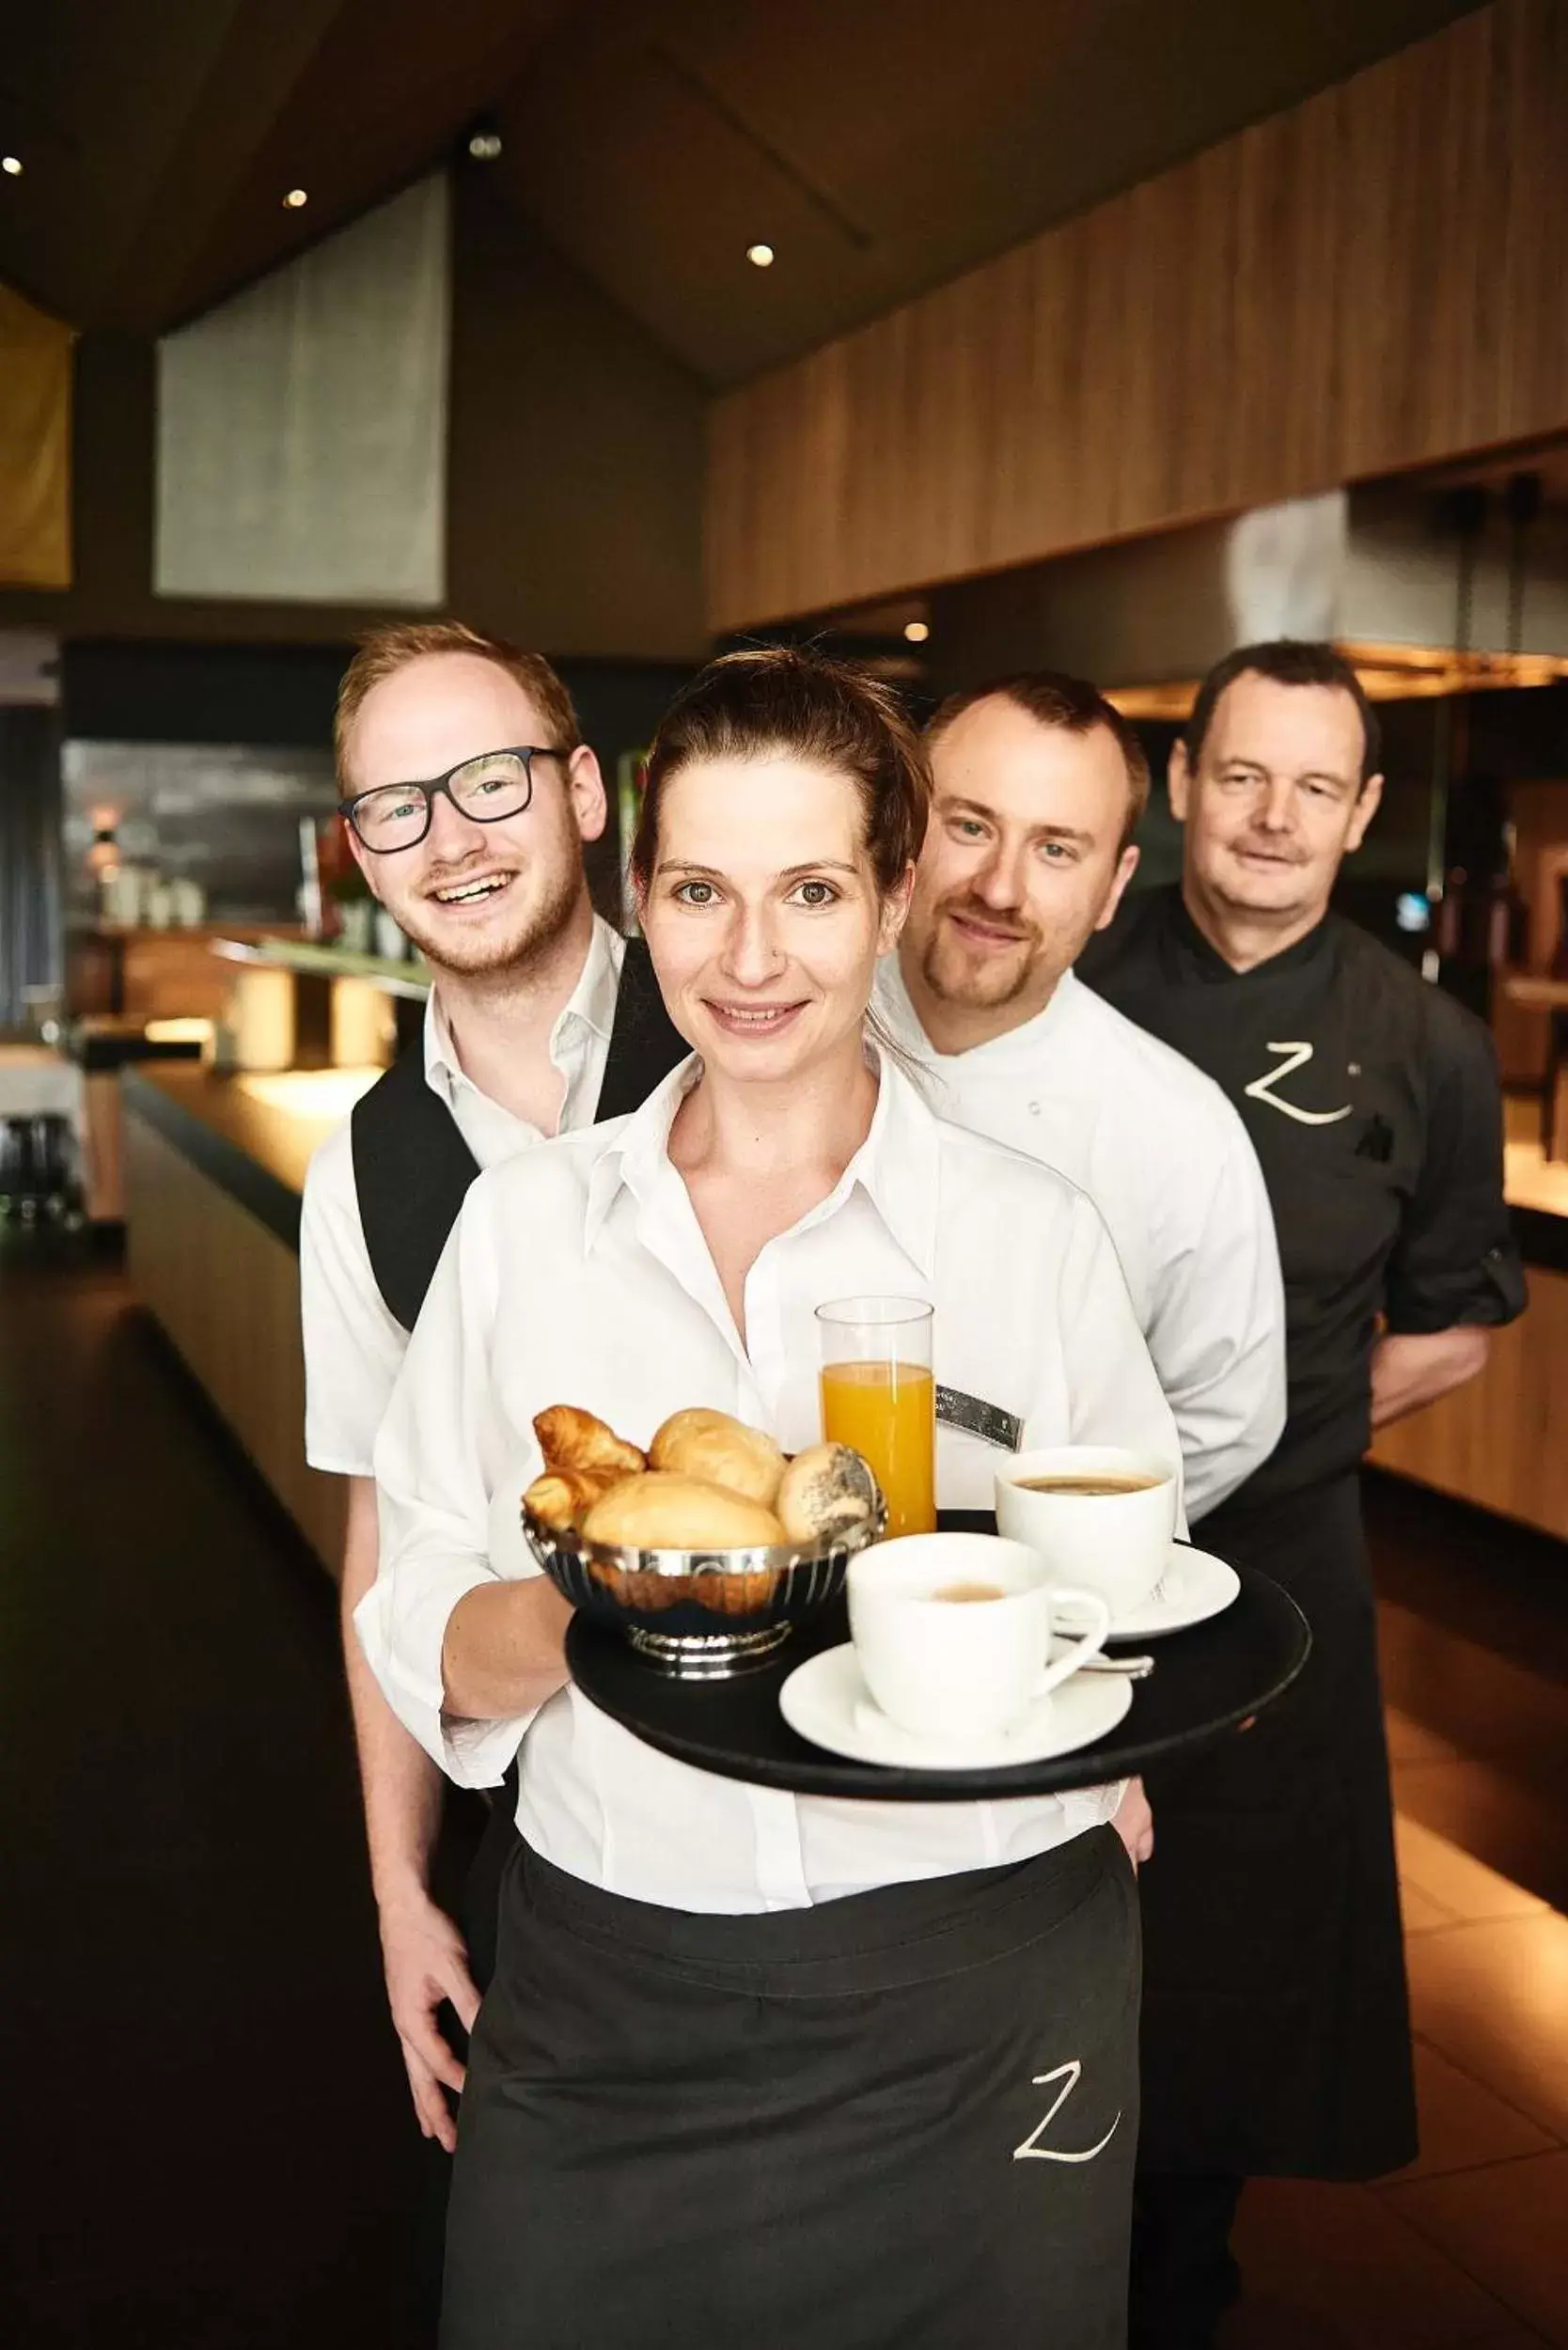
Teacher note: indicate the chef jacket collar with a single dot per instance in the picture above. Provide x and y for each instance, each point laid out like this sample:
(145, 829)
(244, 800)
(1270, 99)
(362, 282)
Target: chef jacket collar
(1016, 1049)
(897, 1167)
(592, 1001)
(1209, 964)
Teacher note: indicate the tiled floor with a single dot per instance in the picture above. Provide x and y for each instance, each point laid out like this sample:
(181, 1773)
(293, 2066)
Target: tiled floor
(1469, 2248)
(200, 2085)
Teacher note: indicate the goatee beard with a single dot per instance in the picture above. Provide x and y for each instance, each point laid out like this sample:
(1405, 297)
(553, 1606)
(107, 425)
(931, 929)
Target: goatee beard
(967, 991)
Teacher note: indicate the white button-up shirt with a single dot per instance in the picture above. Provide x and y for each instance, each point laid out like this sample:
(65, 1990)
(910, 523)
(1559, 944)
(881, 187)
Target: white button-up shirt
(353, 1345)
(579, 1274)
(1168, 1162)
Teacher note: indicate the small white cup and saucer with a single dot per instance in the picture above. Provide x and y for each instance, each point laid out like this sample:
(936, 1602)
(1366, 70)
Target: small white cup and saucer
(952, 1663)
(1103, 1519)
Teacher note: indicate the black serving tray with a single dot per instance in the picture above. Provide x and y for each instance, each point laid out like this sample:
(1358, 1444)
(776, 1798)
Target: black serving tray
(1207, 1682)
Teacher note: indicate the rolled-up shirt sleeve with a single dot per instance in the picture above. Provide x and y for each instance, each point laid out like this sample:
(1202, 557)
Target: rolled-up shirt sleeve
(1217, 1333)
(1457, 1260)
(435, 1462)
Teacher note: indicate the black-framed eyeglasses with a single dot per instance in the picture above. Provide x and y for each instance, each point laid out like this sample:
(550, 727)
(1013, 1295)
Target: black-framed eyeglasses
(484, 788)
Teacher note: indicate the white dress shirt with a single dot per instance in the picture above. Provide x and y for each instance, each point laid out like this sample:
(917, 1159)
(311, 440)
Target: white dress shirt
(1169, 1163)
(353, 1345)
(579, 1274)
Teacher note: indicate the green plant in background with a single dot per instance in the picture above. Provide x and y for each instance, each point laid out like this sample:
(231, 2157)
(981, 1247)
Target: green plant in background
(631, 773)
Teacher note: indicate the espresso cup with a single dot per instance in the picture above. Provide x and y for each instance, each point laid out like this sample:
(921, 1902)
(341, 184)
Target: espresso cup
(952, 1633)
(1116, 1543)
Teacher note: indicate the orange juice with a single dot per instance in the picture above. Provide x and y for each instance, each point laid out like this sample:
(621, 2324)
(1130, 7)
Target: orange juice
(886, 1412)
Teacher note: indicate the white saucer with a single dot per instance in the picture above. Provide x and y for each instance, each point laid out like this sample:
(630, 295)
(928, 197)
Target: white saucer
(1193, 1588)
(826, 1700)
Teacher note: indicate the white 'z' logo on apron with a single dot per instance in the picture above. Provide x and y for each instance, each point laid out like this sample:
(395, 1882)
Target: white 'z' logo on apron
(1261, 1089)
(1032, 2149)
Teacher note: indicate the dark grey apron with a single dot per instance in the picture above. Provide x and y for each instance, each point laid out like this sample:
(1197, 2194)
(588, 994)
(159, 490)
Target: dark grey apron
(907, 2118)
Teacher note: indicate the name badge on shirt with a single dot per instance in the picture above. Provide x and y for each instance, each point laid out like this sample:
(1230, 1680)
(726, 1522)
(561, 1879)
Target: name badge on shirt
(988, 1421)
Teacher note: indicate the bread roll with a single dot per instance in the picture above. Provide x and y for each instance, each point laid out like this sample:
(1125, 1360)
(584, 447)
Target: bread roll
(826, 1491)
(723, 1452)
(660, 1511)
(575, 1440)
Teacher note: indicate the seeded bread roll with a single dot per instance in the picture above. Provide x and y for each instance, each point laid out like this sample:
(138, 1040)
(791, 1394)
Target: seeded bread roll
(660, 1511)
(721, 1450)
(826, 1491)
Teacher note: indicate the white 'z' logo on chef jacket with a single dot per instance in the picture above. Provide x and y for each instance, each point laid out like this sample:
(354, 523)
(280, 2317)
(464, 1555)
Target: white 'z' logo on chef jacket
(1262, 1089)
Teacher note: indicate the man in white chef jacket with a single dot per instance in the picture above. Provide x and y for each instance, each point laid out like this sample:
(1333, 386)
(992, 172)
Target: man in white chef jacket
(1039, 787)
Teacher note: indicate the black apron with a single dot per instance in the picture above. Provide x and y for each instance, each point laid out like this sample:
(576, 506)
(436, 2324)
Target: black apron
(1276, 2035)
(907, 2118)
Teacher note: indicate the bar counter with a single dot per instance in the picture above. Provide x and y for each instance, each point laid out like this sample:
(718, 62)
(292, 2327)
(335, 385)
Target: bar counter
(214, 1173)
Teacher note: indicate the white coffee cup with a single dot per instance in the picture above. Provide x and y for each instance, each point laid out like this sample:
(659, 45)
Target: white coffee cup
(1115, 1544)
(958, 1669)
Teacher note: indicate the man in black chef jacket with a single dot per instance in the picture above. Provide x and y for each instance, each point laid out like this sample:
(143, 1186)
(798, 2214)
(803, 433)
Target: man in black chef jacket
(1276, 2034)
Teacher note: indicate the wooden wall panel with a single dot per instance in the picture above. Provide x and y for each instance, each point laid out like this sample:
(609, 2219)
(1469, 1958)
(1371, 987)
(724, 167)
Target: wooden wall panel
(1366, 283)
(1502, 1441)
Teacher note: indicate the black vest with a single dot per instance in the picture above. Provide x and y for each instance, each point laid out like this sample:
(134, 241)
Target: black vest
(412, 1168)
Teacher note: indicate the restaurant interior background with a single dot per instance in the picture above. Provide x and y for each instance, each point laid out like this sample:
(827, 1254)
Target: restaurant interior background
(1037, 332)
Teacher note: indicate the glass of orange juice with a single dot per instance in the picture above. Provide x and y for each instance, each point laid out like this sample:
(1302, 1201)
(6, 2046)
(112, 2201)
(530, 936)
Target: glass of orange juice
(879, 1396)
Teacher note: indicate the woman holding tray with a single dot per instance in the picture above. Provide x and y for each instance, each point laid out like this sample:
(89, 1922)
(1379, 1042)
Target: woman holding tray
(755, 2067)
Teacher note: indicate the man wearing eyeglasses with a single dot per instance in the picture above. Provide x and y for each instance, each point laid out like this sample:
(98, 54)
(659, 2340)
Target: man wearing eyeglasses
(468, 797)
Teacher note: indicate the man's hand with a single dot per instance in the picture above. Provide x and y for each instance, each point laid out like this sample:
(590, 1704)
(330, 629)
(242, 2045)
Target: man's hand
(425, 1961)
(1135, 1823)
(1408, 1371)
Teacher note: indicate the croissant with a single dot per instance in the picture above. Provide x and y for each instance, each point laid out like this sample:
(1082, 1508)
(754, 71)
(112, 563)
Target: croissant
(574, 1440)
(562, 1498)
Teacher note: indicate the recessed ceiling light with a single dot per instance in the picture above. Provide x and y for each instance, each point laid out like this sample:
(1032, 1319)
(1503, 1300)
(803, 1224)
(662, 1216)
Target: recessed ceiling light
(916, 632)
(295, 198)
(759, 256)
(11, 163)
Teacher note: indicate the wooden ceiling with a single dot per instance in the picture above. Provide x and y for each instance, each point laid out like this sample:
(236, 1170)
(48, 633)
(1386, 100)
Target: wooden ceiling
(879, 146)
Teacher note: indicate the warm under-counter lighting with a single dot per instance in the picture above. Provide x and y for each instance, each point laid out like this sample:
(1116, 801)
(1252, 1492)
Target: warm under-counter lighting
(759, 256)
(295, 198)
(314, 1094)
(12, 164)
(916, 632)
(184, 1031)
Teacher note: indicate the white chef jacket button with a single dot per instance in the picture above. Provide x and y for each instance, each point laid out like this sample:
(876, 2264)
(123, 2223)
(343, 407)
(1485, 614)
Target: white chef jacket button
(1034, 1110)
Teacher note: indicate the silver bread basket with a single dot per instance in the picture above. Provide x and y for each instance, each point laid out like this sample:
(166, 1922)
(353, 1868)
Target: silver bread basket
(699, 1615)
